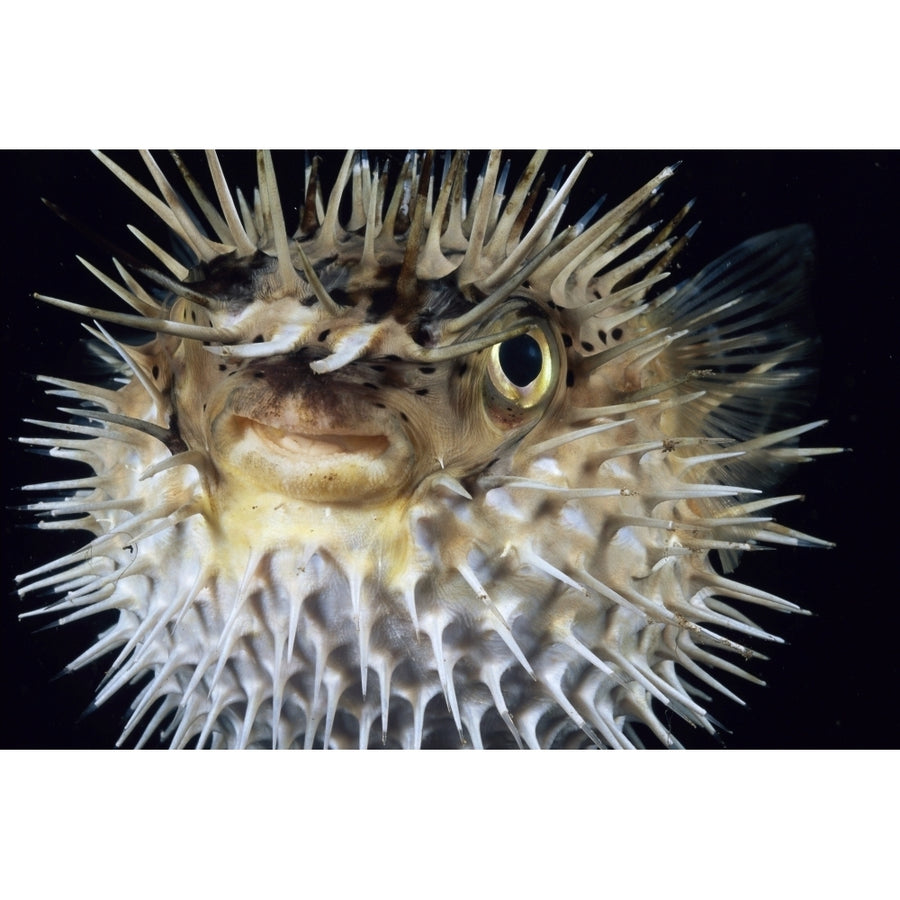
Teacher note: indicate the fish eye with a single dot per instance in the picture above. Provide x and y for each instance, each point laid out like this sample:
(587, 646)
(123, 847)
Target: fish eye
(520, 359)
(523, 368)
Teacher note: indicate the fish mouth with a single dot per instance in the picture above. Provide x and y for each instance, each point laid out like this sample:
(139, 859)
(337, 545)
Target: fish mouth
(314, 445)
(324, 464)
(318, 444)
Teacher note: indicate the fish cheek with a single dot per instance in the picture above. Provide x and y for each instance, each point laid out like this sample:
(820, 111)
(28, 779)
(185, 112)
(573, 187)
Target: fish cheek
(200, 393)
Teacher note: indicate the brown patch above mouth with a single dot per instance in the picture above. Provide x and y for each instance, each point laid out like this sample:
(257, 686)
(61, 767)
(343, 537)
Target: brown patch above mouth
(325, 444)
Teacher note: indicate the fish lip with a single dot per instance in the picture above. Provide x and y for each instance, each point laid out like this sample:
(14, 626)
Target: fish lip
(322, 448)
(309, 443)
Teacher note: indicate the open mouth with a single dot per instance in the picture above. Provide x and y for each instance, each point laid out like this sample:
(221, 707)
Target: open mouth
(324, 444)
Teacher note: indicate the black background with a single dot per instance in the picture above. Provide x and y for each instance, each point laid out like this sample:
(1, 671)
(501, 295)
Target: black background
(833, 685)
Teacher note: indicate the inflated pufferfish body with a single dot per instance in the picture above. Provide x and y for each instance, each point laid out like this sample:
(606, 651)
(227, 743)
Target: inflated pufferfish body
(430, 469)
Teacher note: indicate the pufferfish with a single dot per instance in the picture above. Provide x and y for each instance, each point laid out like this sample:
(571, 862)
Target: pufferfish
(434, 469)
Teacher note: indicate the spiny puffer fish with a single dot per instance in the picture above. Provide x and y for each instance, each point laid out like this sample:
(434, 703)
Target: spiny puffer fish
(433, 469)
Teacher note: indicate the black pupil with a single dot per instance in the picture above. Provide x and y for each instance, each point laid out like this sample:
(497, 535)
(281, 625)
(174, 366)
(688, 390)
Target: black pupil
(521, 359)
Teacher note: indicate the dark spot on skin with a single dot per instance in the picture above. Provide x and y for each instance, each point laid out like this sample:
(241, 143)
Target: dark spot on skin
(587, 346)
(567, 340)
(340, 296)
(379, 406)
(324, 334)
(422, 392)
(222, 367)
(616, 333)
(404, 417)
(382, 300)
(204, 407)
(174, 443)
(602, 335)
(155, 372)
(570, 378)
